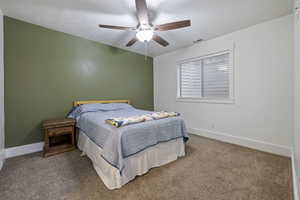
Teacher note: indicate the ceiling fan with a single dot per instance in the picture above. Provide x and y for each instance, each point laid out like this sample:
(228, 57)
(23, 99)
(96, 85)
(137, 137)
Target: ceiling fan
(145, 31)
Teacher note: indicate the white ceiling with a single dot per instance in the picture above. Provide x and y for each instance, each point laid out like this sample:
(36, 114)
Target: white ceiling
(210, 18)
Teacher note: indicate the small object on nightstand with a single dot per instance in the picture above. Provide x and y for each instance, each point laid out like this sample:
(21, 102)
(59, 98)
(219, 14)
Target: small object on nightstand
(59, 136)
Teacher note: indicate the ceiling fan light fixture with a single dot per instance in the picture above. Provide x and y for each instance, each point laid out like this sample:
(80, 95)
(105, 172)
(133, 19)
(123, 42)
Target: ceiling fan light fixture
(145, 35)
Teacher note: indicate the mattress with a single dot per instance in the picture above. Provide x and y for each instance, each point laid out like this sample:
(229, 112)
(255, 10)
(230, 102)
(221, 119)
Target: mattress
(137, 164)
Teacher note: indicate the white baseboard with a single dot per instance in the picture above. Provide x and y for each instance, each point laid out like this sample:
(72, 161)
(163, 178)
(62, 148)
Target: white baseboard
(253, 144)
(295, 178)
(22, 150)
(2, 158)
(246, 142)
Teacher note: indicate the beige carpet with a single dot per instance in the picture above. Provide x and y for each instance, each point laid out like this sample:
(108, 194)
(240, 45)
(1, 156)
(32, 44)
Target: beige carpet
(211, 171)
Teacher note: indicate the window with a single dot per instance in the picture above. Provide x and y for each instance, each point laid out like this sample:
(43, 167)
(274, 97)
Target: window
(207, 78)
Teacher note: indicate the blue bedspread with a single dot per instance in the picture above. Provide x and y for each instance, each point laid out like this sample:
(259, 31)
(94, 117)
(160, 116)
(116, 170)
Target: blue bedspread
(120, 143)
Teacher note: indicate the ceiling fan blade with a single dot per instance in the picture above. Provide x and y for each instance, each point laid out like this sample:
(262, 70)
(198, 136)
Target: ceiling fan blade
(160, 40)
(131, 42)
(142, 11)
(173, 25)
(116, 27)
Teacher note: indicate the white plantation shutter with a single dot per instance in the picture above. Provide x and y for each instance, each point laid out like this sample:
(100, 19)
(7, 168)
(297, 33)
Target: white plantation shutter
(216, 77)
(190, 80)
(207, 77)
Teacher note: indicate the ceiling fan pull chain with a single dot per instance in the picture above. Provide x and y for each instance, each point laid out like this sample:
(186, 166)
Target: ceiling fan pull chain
(146, 50)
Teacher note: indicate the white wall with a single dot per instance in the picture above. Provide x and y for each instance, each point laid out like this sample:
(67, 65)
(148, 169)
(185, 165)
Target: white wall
(1, 93)
(297, 94)
(263, 109)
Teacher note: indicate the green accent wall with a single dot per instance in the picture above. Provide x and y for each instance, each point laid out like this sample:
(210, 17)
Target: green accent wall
(45, 71)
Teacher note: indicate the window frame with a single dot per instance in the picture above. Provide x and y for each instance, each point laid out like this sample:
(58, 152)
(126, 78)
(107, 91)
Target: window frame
(230, 100)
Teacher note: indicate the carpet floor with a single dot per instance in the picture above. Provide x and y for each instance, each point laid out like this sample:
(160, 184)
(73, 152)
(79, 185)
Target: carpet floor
(211, 170)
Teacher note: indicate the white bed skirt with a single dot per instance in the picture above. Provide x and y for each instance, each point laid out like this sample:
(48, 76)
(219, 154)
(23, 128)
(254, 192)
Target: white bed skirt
(135, 165)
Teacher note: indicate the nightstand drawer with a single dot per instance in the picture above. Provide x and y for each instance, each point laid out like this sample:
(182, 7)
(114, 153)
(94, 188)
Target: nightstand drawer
(60, 131)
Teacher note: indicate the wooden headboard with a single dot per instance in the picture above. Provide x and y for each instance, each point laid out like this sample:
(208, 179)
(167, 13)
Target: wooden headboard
(78, 103)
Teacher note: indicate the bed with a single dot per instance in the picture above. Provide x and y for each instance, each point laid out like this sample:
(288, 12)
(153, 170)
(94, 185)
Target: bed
(120, 154)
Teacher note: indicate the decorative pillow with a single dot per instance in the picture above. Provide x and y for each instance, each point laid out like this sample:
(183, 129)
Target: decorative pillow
(96, 107)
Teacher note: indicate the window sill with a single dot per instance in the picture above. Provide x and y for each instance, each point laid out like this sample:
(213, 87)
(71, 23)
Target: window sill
(202, 100)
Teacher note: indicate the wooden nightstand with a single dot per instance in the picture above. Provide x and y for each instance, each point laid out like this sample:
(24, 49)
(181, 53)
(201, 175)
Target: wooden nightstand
(59, 136)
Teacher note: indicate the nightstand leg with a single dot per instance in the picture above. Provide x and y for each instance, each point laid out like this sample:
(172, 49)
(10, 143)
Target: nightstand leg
(46, 139)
